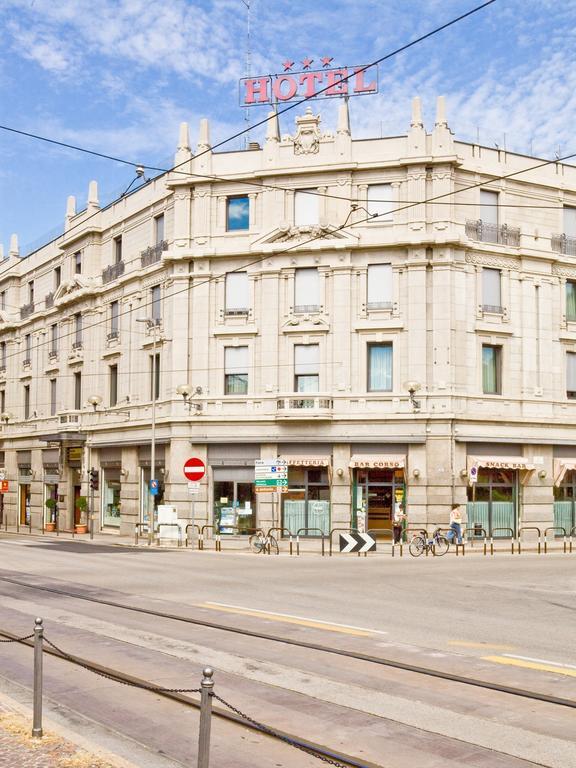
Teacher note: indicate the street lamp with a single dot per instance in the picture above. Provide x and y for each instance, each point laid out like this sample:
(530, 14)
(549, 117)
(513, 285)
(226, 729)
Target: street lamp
(413, 387)
(151, 324)
(186, 390)
(94, 401)
(6, 416)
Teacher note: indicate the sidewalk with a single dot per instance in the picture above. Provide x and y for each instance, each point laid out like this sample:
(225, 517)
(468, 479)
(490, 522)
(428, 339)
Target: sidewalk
(19, 750)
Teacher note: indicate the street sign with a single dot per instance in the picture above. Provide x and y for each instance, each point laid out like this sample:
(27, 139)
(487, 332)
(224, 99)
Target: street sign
(271, 475)
(154, 487)
(194, 469)
(3, 486)
(193, 488)
(357, 542)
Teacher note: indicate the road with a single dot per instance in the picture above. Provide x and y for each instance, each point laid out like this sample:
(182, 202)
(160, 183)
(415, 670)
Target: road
(503, 619)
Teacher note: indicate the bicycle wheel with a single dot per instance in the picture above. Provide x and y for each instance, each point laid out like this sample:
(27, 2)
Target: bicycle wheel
(256, 543)
(441, 546)
(416, 546)
(273, 548)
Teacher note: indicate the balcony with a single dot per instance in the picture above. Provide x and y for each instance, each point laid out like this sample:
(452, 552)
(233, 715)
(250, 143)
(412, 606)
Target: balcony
(113, 272)
(564, 244)
(26, 310)
(153, 253)
(493, 233)
(77, 346)
(307, 309)
(27, 362)
(112, 336)
(49, 301)
(236, 312)
(492, 309)
(69, 418)
(53, 354)
(304, 408)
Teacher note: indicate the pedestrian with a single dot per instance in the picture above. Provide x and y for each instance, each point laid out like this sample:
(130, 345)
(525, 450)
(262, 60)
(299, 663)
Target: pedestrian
(455, 533)
(398, 521)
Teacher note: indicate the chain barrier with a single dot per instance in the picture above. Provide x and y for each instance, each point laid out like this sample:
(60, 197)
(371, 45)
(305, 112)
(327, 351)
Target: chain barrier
(18, 639)
(271, 732)
(109, 676)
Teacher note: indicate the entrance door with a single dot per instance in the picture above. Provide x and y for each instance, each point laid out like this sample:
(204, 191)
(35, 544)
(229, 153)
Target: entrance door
(234, 507)
(76, 495)
(564, 505)
(493, 502)
(377, 490)
(25, 504)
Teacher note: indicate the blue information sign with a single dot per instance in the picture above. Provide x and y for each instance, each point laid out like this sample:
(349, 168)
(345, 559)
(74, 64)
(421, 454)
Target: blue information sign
(153, 487)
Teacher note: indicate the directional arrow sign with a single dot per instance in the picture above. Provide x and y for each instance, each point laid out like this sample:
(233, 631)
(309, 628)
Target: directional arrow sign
(357, 542)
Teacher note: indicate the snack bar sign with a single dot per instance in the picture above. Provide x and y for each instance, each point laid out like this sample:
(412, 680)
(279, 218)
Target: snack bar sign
(308, 83)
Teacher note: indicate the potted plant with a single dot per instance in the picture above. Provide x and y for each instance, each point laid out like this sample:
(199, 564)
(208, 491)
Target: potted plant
(82, 507)
(50, 524)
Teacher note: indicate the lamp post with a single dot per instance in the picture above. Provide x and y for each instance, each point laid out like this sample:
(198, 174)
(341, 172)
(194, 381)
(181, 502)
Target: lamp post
(151, 324)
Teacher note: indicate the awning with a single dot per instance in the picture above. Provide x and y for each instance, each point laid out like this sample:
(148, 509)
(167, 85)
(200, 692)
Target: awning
(561, 466)
(500, 462)
(385, 461)
(307, 461)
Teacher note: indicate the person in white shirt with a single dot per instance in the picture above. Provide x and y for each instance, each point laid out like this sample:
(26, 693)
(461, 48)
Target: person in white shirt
(398, 521)
(455, 533)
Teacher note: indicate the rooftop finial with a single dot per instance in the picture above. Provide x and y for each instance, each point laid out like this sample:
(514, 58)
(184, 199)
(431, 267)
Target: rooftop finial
(204, 135)
(416, 121)
(14, 249)
(183, 151)
(343, 118)
(70, 207)
(441, 112)
(93, 202)
(273, 127)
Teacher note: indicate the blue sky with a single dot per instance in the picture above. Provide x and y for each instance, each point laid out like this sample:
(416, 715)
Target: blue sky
(118, 76)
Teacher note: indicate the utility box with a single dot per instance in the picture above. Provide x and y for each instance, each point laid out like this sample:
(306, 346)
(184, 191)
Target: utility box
(167, 522)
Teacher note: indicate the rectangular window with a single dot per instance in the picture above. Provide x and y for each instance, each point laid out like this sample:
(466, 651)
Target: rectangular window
(569, 221)
(54, 339)
(156, 304)
(78, 390)
(571, 301)
(57, 277)
(306, 209)
(237, 290)
(3, 355)
(380, 202)
(237, 213)
(118, 249)
(571, 375)
(2, 401)
(78, 263)
(379, 286)
(114, 319)
(27, 401)
(155, 376)
(31, 292)
(380, 367)
(2, 299)
(306, 367)
(236, 370)
(52, 397)
(489, 207)
(491, 369)
(306, 290)
(113, 385)
(78, 329)
(27, 348)
(491, 290)
(159, 229)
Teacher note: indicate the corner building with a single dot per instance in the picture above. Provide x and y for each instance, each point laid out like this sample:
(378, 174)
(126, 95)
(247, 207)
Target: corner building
(301, 338)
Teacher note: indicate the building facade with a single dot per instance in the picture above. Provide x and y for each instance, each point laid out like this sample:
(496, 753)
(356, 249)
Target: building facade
(394, 317)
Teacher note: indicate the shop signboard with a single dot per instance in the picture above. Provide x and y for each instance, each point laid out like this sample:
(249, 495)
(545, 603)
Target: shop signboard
(3, 486)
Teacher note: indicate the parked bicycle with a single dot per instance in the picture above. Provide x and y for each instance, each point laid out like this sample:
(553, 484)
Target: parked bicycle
(438, 544)
(262, 543)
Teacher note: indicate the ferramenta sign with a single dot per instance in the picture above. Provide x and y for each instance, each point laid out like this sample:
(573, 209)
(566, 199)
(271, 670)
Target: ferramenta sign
(308, 84)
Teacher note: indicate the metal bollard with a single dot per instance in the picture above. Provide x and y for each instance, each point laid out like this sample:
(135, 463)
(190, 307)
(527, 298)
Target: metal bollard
(207, 686)
(38, 643)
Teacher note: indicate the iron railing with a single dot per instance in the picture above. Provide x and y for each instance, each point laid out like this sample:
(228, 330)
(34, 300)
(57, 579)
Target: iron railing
(113, 272)
(77, 345)
(304, 309)
(153, 253)
(564, 244)
(379, 305)
(493, 233)
(112, 335)
(303, 403)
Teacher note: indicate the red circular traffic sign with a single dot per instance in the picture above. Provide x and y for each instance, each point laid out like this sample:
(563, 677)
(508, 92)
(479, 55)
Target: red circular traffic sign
(194, 469)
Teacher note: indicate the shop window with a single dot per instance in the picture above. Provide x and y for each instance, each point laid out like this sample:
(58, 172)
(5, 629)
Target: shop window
(380, 359)
(379, 286)
(237, 293)
(78, 263)
(27, 401)
(491, 290)
(376, 493)
(78, 390)
(380, 203)
(571, 375)
(111, 498)
(489, 207)
(306, 505)
(236, 370)
(113, 385)
(53, 383)
(148, 503)
(159, 229)
(306, 209)
(234, 507)
(491, 369)
(156, 304)
(306, 367)
(155, 376)
(237, 213)
(569, 221)
(571, 301)
(306, 290)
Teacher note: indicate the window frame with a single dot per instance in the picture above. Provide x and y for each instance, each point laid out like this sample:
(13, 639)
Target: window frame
(236, 373)
(154, 386)
(299, 207)
(384, 211)
(114, 319)
(371, 290)
(117, 249)
(498, 352)
(300, 308)
(570, 393)
(157, 219)
(301, 376)
(233, 305)
(77, 390)
(245, 220)
(113, 385)
(53, 396)
(26, 402)
(77, 262)
(496, 309)
(370, 346)
(156, 304)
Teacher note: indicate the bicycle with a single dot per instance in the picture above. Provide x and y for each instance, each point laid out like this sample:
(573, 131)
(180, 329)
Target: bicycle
(438, 544)
(262, 544)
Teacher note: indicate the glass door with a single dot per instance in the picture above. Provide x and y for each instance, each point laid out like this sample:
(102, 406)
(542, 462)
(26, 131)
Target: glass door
(564, 512)
(492, 503)
(234, 507)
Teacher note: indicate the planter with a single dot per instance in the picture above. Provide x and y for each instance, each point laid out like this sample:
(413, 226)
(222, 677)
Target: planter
(49, 527)
(81, 528)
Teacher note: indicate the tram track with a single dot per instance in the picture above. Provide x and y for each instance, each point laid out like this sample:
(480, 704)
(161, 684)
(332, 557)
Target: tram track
(376, 660)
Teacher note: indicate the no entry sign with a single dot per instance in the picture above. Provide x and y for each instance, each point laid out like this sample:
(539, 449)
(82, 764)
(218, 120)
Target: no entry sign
(194, 469)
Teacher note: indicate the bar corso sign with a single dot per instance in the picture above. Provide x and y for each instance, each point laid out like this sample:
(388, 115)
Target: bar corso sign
(308, 83)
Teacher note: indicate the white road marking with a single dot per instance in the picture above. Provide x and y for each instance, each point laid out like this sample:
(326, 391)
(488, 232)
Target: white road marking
(540, 661)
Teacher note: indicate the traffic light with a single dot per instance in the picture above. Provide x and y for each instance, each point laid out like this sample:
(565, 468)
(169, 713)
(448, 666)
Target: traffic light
(93, 473)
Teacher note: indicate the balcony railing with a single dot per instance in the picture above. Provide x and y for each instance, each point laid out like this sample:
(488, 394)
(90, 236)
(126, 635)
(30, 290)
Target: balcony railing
(77, 346)
(564, 244)
(49, 301)
(153, 253)
(493, 309)
(304, 407)
(27, 362)
(493, 233)
(236, 312)
(113, 272)
(69, 418)
(112, 335)
(26, 310)
(380, 305)
(305, 309)
(53, 354)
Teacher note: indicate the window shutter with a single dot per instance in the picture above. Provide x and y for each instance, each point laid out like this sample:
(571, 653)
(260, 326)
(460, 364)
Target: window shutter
(305, 207)
(236, 359)
(306, 288)
(306, 359)
(377, 193)
(491, 293)
(237, 291)
(379, 284)
(489, 207)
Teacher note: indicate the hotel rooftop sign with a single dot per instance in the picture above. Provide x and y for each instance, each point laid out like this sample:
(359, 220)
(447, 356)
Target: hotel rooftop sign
(309, 83)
